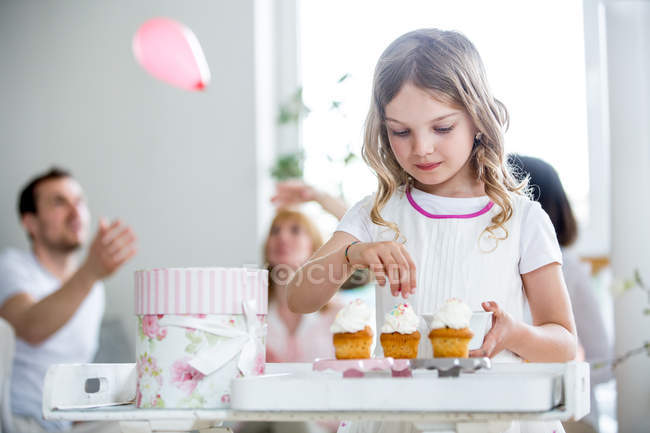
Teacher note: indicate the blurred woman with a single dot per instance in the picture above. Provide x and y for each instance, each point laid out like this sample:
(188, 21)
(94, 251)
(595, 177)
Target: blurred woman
(292, 337)
(594, 344)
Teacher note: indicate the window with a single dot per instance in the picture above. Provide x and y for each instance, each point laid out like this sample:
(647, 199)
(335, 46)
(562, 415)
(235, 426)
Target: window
(533, 53)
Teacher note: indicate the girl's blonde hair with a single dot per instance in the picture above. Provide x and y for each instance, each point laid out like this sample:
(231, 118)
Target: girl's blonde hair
(447, 64)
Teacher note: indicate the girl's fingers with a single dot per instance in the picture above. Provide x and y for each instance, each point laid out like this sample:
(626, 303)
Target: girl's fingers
(404, 277)
(490, 344)
(380, 275)
(494, 341)
(490, 306)
(390, 270)
(477, 353)
(391, 263)
(411, 265)
(493, 307)
(377, 268)
(486, 349)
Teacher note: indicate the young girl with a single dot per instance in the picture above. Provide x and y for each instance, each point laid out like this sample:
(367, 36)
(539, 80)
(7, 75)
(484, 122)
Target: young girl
(448, 219)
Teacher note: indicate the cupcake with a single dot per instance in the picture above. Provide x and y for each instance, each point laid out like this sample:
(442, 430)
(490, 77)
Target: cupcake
(352, 329)
(450, 334)
(399, 335)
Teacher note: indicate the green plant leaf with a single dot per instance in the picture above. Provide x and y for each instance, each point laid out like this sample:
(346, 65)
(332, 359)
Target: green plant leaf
(349, 158)
(343, 77)
(286, 116)
(637, 278)
(288, 166)
(293, 109)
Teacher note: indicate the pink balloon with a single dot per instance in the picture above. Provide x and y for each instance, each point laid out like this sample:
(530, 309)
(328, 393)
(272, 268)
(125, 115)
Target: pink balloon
(170, 51)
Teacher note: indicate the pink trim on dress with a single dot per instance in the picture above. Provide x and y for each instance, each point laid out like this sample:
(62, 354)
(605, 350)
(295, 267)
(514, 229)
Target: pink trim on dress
(430, 215)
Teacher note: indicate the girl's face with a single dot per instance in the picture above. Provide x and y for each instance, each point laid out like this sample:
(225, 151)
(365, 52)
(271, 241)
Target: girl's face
(289, 244)
(432, 142)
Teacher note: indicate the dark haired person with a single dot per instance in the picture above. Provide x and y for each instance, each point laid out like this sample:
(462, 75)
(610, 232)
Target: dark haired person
(54, 301)
(547, 189)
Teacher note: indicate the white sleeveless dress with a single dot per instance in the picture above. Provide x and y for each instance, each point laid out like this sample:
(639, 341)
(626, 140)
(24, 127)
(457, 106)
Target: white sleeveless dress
(455, 257)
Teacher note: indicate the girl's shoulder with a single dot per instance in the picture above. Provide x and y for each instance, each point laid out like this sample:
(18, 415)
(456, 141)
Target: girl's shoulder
(523, 207)
(361, 208)
(364, 206)
(520, 200)
(357, 220)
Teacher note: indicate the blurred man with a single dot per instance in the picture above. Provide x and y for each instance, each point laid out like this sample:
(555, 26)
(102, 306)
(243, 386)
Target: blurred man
(54, 301)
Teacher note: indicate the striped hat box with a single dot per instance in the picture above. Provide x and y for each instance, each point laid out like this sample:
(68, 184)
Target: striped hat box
(200, 290)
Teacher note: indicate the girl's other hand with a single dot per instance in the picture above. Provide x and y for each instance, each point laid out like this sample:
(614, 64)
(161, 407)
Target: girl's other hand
(389, 261)
(499, 338)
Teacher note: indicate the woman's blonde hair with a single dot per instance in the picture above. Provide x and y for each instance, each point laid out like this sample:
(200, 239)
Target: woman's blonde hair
(305, 222)
(447, 64)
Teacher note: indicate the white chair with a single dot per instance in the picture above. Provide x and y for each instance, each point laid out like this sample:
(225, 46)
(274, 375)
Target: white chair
(7, 345)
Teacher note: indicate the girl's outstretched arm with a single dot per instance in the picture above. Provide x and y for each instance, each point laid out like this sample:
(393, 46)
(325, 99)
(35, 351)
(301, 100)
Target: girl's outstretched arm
(551, 337)
(315, 282)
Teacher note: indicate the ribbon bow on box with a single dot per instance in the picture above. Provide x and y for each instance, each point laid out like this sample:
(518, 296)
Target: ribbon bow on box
(247, 344)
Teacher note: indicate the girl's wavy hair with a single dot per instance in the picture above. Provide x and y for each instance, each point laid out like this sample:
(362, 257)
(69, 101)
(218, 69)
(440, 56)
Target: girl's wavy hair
(448, 65)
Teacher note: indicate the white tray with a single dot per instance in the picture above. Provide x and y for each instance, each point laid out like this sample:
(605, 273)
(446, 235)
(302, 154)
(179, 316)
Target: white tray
(64, 398)
(504, 388)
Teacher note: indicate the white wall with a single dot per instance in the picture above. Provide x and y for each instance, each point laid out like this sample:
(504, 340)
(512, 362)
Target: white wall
(628, 60)
(186, 170)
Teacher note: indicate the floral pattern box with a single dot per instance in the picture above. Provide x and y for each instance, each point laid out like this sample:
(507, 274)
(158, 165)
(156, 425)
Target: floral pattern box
(198, 328)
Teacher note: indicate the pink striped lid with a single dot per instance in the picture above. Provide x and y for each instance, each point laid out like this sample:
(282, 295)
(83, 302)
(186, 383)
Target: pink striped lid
(200, 290)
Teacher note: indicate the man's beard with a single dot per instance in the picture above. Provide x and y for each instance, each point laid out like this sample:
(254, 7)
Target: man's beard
(62, 246)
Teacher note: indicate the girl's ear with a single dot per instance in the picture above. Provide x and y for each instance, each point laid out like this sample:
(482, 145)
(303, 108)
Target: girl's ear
(477, 138)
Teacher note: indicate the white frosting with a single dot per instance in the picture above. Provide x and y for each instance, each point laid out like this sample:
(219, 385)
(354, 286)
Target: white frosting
(454, 314)
(352, 318)
(401, 319)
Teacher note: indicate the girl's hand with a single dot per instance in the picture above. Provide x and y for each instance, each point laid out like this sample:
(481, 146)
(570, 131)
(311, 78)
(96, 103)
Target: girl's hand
(389, 261)
(500, 337)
